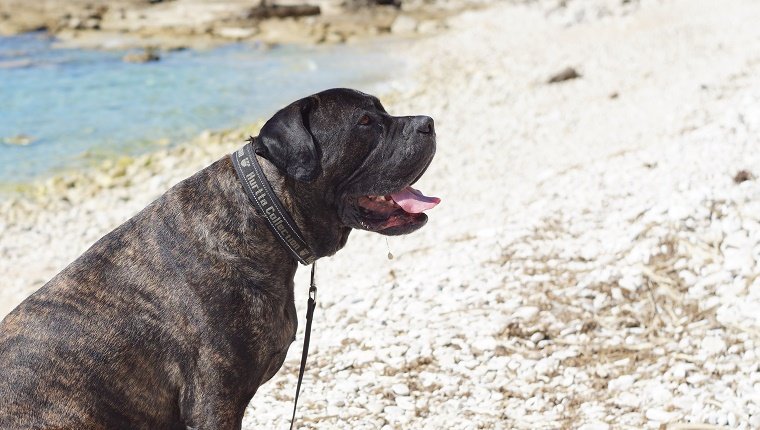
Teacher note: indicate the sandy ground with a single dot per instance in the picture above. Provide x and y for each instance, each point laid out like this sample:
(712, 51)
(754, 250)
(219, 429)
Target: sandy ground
(595, 262)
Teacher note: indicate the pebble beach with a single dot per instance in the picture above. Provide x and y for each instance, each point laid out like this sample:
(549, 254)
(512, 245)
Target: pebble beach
(594, 263)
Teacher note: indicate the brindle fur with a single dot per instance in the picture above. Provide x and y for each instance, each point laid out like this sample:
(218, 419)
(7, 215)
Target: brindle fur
(175, 318)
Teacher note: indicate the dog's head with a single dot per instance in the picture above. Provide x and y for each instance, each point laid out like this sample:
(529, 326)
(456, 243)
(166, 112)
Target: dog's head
(362, 161)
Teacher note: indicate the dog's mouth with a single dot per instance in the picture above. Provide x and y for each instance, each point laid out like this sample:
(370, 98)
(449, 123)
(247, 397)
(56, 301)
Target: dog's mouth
(396, 213)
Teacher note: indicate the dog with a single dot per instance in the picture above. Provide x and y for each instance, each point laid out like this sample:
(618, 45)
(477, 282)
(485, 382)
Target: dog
(175, 318)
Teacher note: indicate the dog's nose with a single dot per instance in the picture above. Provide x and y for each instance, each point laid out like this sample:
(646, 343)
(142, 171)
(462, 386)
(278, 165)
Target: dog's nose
(425, 125)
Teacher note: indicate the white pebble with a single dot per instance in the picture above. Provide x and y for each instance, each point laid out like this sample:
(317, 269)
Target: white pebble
(621, 383)
(400, 389)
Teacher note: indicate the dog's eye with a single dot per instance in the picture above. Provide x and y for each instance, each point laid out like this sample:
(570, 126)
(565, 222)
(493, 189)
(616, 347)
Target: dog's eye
(365, 120)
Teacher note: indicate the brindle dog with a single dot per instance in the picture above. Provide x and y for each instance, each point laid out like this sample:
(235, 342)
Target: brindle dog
(175, 318)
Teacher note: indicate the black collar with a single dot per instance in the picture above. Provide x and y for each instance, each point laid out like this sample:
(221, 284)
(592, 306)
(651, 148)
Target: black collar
(262, 196)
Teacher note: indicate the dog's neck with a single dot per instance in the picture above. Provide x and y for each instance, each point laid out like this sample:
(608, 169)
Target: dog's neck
(238, 222)
(321, 229)
(220, 227)
(268, 204)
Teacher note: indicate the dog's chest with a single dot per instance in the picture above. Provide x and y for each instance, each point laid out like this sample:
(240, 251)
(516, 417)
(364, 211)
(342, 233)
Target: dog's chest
(282, 336)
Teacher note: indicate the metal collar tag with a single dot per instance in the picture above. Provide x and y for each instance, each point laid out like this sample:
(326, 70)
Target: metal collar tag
(262, 196)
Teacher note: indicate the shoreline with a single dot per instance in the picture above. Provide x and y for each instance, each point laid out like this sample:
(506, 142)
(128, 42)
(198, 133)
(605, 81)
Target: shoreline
(112, 170)
(180, 24)
(98, 159)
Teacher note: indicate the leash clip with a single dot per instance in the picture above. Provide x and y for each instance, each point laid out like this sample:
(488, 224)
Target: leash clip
(313, 288)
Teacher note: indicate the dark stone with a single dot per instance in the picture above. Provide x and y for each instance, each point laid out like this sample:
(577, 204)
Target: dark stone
(743, 176)
(146, 56)
(565, 74)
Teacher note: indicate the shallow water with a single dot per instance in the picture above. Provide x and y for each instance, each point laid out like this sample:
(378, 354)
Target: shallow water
(66, 108)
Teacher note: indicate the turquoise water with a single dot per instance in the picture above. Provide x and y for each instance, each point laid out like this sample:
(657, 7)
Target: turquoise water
(77, 106)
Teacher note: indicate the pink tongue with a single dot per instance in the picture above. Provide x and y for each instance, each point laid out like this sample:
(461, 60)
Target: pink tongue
(413, 201)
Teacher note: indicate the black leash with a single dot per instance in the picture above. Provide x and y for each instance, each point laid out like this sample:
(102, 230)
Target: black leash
(262, 196)
(310, 305)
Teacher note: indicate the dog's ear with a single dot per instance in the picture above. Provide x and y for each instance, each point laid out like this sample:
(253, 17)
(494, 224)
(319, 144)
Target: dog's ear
(286, 141)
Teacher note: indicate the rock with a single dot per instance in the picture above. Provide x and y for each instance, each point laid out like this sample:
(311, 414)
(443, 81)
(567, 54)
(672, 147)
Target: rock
(594, 426)
(621, 383)
(483, 344)
(334, 37)
(375, 406)
(405, 402)
(660, 416)
(22, 63)
(266, 11)
(236, 33)
(403, 24)
(743, 176)
(627, 399)
(400, 389)
(679, 212)
(146, 56)
(696, 379)
(526, 313)
(18, 140)
(566, 74)
(659, 395)
(395, 414)
(537, 336)
(713, 345)
(428, 26)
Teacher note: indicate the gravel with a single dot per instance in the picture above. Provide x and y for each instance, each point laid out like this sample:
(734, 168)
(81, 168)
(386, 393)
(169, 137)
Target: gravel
(594, 263)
